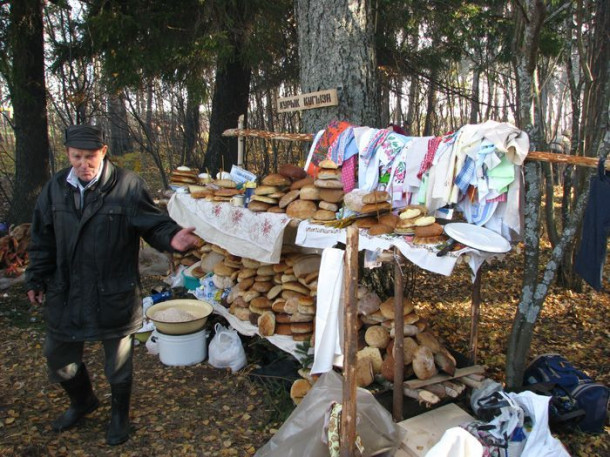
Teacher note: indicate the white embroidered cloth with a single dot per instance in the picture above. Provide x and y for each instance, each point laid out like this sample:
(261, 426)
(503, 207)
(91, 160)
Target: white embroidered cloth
(238, 230)
(320, 236)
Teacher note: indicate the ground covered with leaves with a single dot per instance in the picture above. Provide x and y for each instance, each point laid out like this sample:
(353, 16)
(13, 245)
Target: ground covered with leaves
(201, 411)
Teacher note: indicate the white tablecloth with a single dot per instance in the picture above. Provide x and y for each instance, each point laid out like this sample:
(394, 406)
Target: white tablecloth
(238, 230)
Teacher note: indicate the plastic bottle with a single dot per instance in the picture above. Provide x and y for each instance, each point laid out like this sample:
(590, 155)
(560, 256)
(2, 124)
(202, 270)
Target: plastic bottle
(156, 298)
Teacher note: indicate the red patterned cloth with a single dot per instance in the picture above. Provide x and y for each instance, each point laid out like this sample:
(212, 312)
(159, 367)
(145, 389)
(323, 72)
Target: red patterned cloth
(427, 162)
(320, 152)
(348, 174)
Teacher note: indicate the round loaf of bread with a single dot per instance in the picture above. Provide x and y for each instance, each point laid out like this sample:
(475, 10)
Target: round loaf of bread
(301, 327)
(376, 207)
(331, 195)
(328, 206)
(328, 183)
(276, 209)
(266, 324)
(309, 192)
(366, 222)
(380, 229)
(293, 172)
(329, 173)
(433, 229)
(301, 182)
(282, 329)
(377, 196)
(328, 164)
(262, 286)
(377, 337)
(276, 179)
(324, 215)
(389, 219)
(289, 198)
(258, 206)
(265, 190)
(261, 302)
(301, 209)
(299, 389)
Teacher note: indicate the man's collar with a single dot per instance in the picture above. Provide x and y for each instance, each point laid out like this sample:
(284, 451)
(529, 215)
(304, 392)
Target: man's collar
(73, 179)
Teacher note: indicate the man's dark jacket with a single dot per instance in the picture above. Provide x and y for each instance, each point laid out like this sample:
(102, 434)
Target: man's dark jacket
(87, 263)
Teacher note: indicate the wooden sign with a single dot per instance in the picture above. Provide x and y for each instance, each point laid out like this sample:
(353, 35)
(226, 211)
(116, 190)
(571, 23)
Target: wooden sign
(311, 100)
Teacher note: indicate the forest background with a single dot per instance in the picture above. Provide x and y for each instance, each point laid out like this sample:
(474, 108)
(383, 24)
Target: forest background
(165, 79)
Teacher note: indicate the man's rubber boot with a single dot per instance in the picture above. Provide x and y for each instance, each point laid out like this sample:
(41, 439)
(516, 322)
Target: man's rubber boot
(118, 430)
(82, 400)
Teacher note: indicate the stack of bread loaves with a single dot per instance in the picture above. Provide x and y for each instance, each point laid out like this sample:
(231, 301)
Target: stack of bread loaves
(278, 298)
(423, 354)
(271, 194)
(182, 176)
(317, 199)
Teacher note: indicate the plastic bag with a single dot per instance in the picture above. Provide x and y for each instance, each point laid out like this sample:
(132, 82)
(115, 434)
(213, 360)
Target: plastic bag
(301, 433)
(152, 343)
(226, 350)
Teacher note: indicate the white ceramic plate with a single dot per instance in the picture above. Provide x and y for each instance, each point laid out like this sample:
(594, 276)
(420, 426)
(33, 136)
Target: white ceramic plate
(476, 237)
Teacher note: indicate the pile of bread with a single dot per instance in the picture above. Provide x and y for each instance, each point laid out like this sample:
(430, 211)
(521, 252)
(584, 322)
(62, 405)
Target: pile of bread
(303, 196)
(280, 299)
(411, 221)
(423, 354)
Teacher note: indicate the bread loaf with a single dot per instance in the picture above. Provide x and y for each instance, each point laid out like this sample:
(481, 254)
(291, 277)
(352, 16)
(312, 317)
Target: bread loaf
(289, 198)
(276, 179)
(423, 363)
(292, 172)
(324, 215)
(328, 164)
(376, 207)
(299, 389)
(434, 229)
(331, 195)
(309, 192)
(301, 209)
(266, 324)
(376, 196)
(376, 336)
(328, 183)
(328, 206)
(380, 229)
(301, 182)
(258, 206)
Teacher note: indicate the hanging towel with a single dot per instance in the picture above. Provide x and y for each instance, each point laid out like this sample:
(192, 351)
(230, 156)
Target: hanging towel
(596, 227)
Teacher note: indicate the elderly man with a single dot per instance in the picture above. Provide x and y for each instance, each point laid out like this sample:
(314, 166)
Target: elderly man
(86, 231)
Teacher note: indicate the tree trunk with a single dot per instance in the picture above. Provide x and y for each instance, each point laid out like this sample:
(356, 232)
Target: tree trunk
(529, 17)
(474, 102)
(230, 100)
(28, 97)
(191, 120)
(337, 51)
(120, 140)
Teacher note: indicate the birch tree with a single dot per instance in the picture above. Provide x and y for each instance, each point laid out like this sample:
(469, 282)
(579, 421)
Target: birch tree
(529, 18)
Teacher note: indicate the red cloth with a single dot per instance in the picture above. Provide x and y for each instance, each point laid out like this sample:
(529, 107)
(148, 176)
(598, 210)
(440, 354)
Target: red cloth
(320, 151)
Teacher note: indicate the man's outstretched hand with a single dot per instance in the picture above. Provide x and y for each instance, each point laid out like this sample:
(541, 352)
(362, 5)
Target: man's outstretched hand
(185, 240)
(36, 297)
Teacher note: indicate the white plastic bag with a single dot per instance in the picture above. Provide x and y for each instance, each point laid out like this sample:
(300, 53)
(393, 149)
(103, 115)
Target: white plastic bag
(226, 350)
(152, 343)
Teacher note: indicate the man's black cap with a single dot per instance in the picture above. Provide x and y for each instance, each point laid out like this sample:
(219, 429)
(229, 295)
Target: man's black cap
(84, 137)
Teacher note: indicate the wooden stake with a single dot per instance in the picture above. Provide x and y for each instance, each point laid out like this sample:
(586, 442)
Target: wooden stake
(398, 339)
(475, 312)
(350, 344)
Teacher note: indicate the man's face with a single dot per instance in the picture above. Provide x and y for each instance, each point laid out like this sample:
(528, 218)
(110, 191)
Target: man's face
(86, 162)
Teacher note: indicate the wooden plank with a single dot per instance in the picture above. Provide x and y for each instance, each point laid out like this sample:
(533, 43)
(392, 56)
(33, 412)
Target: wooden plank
(460, 372)
(350, 344)
(425, 430)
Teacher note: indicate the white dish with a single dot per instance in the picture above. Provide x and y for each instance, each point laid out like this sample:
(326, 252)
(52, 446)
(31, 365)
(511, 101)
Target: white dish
(477, 237)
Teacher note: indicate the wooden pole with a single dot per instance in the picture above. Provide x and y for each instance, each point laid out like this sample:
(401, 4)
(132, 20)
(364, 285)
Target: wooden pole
(350, 344)
(475, 312)
(399, 365)
(240, 142)
(552, 157)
